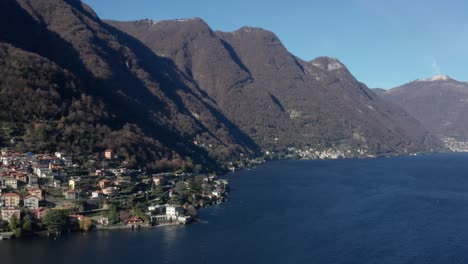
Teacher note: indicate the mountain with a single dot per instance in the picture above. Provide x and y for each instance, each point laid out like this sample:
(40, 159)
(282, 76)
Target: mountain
(70, 81)
(277, 99)
(440, 103)
(378, 91)
(172, 94)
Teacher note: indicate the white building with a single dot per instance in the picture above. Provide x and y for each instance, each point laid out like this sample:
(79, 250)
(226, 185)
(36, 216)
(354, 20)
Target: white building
(59, 154)
(157, 209)
(174, 211)
(97, 194)
(9, 183)
(43, 172)
(31, 202)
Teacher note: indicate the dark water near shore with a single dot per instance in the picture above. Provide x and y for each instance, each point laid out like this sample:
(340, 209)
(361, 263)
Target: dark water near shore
(395, 210)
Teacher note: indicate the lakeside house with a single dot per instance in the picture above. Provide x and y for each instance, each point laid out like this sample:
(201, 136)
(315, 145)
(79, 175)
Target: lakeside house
(174, 211)
(168, 213)
(134, 220)
(100, 220)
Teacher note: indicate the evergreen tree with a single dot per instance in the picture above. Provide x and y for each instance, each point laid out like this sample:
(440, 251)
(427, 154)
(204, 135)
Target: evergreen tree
(112, 214)
(14, 222)
(55, 221)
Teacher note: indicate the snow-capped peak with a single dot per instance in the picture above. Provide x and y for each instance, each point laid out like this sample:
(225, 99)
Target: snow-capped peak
(438, 77)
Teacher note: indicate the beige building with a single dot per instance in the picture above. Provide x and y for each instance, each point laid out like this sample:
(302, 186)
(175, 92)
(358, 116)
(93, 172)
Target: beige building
(7, 213)
(108, 154)
(11, 199)
(9, 183)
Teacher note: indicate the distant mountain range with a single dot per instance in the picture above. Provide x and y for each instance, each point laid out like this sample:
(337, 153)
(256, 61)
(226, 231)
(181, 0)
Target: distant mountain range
(440, 103)
(176, 93)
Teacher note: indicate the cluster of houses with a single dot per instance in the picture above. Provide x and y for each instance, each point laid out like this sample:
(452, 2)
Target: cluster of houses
(20, 179)
(24, 176)
(12, 204)
(31, 184)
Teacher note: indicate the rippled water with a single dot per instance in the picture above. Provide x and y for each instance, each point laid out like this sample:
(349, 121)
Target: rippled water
(395, 210)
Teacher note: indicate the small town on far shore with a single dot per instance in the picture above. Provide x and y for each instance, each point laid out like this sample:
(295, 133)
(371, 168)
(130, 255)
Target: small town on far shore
(49, 194)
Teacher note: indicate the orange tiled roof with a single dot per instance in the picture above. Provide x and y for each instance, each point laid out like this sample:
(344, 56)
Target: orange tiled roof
(10, 194)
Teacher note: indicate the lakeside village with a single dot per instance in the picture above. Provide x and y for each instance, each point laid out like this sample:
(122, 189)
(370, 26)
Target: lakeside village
(48, 194)
(42, 194)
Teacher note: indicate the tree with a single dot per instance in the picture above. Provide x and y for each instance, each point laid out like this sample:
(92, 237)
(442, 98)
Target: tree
(196, 184)
(183, 168)
(27, 226)
(175, 199)
(138, 212)
(86, 223)
(158, 191)
(14, 222)
(180, 188)
(55, 220)
(199, 181)
(123, 215)
(198, 169)
(112, 214)
(18, 232)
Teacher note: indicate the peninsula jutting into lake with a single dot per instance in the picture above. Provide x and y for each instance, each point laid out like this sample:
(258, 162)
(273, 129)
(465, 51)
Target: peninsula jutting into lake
(48, 195)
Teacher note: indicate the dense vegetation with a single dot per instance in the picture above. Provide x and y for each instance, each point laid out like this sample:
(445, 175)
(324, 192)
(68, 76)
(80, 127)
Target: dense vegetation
(70, 82)
(303, 104)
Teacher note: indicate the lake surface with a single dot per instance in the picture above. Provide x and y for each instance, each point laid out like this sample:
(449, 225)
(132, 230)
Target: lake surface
(392, 210)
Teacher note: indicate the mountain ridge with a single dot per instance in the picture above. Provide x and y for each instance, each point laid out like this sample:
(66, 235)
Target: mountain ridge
(270, 72)
(134, 84)
(439, 102)
(171, 94)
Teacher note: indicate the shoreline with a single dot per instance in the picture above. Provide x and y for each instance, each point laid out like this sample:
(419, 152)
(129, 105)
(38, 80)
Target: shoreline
(139, 227)
(225, 175)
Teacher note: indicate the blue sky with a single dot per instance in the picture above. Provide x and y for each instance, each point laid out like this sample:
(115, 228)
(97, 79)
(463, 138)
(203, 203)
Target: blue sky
(383, 43)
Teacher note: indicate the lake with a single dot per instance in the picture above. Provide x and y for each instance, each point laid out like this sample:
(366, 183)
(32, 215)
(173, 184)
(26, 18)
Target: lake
(386, 210)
